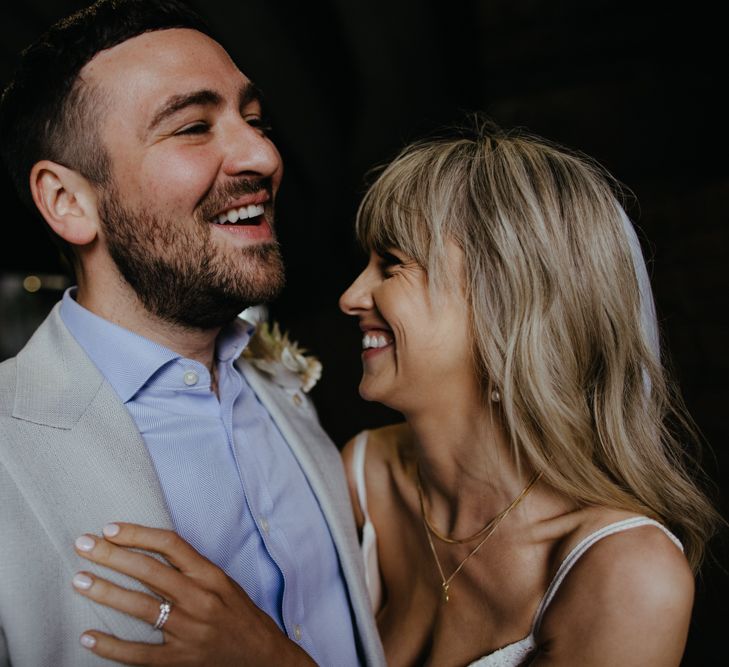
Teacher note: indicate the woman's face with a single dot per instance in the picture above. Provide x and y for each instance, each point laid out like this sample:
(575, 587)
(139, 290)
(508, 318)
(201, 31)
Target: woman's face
(416, 345)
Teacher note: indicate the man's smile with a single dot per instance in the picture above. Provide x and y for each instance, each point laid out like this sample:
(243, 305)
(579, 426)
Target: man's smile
(248, 210)
(241, 214)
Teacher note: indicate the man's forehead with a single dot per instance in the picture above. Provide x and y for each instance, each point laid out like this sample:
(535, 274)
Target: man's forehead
(160, 59)
(136, 78)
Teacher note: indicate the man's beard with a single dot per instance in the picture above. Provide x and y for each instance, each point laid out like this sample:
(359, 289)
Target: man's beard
(179, 272)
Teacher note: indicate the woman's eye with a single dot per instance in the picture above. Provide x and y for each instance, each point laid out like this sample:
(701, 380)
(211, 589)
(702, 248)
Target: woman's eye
(389, 262)
(194, 128)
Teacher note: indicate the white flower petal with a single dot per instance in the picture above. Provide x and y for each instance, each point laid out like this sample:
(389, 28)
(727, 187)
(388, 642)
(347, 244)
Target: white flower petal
(289, 361)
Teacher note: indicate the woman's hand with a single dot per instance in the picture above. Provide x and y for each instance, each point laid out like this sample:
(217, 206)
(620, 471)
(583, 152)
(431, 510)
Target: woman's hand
(212, 620)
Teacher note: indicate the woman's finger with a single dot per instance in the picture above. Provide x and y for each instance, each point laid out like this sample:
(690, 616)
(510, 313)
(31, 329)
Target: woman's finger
(166, 581)
(175, 550)
(134, 603)
(127, 653)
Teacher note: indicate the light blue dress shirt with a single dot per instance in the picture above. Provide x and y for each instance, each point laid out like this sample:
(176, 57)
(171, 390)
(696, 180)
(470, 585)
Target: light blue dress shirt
(233, 488)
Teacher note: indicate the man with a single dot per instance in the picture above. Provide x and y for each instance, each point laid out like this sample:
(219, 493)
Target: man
(145, 151)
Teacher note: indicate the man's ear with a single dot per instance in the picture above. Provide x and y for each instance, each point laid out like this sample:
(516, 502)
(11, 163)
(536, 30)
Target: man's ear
(66, 200)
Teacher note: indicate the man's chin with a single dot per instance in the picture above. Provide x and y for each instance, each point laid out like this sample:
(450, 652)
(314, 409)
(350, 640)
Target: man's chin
(195, 297)
(212, 310)
(206, 317)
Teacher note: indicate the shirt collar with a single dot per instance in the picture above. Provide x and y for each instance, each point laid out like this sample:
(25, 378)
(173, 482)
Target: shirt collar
(233, 339)
(128, 360)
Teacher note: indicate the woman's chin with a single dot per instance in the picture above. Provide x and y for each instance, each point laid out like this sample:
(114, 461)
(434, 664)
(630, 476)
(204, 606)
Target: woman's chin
(369, 391)
(366, 391)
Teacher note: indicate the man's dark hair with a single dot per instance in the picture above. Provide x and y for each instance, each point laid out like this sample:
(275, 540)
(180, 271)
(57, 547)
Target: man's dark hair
(48, 113)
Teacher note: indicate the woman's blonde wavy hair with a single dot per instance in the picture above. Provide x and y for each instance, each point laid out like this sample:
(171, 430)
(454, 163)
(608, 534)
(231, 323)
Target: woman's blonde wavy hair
(556, 314)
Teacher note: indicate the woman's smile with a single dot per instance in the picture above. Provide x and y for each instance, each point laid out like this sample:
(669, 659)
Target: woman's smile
(375, 341)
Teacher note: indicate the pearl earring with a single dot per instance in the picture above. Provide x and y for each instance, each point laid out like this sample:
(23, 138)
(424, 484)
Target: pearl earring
(495, 396)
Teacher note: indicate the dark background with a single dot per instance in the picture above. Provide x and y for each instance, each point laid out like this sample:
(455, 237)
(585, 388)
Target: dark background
(634, 84)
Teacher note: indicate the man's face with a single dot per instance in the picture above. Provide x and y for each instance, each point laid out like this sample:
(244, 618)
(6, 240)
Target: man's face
(184, 131)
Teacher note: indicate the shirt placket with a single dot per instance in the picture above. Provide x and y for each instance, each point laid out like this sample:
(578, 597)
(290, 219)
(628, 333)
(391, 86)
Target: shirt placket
(274, 540)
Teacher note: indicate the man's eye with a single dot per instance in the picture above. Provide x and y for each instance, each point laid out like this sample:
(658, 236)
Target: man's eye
(259, 123)
(194, 128)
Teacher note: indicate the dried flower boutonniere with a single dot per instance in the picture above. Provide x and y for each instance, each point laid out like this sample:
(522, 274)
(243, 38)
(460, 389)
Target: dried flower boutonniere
(272, 352)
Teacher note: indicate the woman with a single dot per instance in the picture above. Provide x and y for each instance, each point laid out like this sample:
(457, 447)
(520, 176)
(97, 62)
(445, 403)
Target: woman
(501, 315)
(536, 507)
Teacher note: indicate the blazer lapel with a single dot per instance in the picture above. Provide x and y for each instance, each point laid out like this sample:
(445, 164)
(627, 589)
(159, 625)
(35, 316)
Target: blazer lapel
(79, 456)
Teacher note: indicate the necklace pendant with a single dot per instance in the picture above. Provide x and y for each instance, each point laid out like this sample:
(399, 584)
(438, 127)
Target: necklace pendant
(446, 597)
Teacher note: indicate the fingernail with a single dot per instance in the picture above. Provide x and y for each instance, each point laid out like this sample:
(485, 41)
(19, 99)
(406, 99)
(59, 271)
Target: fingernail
(88, 641)
(110, 530)
(85, 543)
(82, 581)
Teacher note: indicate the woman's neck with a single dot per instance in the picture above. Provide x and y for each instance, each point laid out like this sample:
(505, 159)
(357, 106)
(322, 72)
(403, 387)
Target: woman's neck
(467, 469)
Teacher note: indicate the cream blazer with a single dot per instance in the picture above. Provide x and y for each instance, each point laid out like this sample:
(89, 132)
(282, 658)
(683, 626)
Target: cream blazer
(72, 459)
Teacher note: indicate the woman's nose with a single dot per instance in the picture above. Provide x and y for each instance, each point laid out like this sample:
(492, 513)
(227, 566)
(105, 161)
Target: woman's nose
(358, 296)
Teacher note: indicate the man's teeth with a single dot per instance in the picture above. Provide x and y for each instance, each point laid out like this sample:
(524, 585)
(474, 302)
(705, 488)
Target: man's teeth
(242, 213)
(374, 341)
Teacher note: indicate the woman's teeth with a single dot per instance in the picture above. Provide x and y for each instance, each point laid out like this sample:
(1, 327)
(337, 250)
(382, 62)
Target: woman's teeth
(374, 341)
(242, 213)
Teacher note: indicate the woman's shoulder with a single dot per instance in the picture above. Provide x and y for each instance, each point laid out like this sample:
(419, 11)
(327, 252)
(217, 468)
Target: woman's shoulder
(392, 444)
(385, 446)
(593, 525)
(629, 581)
(388, 450)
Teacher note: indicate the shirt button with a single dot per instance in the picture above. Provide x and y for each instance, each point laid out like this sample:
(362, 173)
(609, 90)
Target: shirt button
(264, 526)
(297, 632)
(190, 378)
(298, 400)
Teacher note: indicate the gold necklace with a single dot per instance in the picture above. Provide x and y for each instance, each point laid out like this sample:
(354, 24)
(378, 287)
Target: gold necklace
(489, 528)
(451, 540)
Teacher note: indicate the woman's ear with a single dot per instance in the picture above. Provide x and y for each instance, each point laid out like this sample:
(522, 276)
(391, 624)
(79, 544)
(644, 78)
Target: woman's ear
(66, 200)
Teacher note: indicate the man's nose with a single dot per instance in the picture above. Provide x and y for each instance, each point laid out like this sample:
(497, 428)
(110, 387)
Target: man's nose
(249, 151)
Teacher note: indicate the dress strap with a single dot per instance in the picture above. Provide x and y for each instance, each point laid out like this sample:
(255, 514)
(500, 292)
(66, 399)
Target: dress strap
(368, 543)
(358, 468)
(569, 562)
